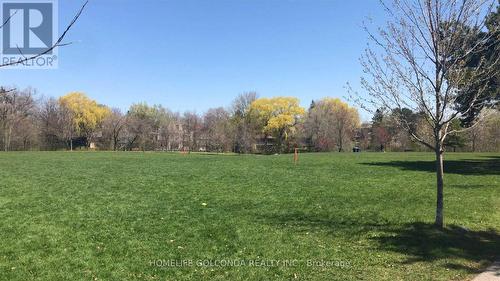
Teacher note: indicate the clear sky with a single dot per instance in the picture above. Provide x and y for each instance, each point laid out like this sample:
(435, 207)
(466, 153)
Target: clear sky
(193, 55)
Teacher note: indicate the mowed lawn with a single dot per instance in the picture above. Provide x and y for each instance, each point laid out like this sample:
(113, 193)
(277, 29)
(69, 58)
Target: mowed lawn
(163, 216)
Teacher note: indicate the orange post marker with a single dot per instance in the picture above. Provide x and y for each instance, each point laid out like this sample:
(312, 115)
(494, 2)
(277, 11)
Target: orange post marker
(296, 156)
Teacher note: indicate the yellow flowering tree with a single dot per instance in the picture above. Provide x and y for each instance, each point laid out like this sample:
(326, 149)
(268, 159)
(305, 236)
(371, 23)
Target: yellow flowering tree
(85, 114)
(277, 116)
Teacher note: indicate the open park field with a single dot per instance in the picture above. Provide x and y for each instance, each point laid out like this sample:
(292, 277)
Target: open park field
(161, 216)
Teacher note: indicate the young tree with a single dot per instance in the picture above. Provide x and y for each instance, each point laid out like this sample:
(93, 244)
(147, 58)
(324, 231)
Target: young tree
(417, 63)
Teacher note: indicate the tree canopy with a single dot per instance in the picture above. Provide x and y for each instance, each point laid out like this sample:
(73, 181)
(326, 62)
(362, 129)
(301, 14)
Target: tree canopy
(277, 116)
(85, 114)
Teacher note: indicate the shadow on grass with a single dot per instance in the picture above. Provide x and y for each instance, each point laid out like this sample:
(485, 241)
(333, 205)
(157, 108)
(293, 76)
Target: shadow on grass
(419, 242)
(424, 243)
(469, 186)
(489, 166)
(335, 225)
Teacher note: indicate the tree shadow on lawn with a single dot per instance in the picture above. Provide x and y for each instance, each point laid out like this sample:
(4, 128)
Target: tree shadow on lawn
(334, 225)
(420, 242)
(489, 166)
(469, 186)
(424, 243)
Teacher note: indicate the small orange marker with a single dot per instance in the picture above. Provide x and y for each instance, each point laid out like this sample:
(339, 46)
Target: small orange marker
(296, 156)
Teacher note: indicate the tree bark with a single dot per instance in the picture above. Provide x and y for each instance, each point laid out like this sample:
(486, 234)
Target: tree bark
(340, 141)
(6, 137)
(439, 222)
(9, 138)
(5, 148)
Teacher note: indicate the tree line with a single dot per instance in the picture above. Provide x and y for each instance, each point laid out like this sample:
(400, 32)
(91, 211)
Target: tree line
(249, 125)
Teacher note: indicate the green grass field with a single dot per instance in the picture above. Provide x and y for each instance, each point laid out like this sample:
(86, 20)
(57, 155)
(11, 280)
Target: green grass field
(160, 216)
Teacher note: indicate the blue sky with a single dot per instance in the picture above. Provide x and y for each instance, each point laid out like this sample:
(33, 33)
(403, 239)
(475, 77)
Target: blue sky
(193, 55)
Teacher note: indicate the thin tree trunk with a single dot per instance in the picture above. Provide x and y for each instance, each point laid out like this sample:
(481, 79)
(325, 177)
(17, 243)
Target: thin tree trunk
(281, 142)
(439, 222)
(5, 137)
(340, 143)
(5, 148)
(9, 137)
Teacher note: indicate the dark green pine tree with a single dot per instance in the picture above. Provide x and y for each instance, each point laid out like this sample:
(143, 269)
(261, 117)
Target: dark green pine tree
(489, 53)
